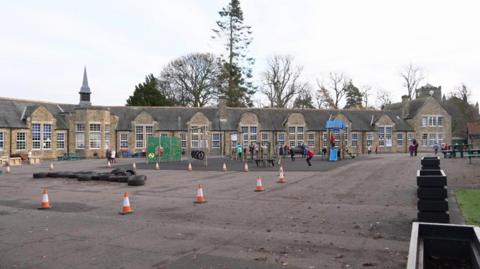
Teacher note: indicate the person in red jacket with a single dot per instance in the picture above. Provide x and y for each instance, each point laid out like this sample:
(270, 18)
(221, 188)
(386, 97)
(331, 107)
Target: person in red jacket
(309, 156)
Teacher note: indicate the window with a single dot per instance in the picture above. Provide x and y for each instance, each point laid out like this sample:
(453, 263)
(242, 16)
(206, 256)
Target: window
(162, 135)
(369, 139)
(216, 140)
(60, 140)
(324, 139)
(265, 138)
(21, 140)
(141, 133)
(197, 137)
(183, 139)
(399, 139)
(311, 140)
(432, 121)
(95, 136)
(336, 132)
(354, 139)
(249, 135)
(424, 140)
(281, 138)
(124, 140)
(36, 136)
(345, 137)
(432, 138)
(410, 137)
(1, 141)
(295, 135)
(107, 136)
(80, 136)
(47, 136)
(234, 139)
(385, 136)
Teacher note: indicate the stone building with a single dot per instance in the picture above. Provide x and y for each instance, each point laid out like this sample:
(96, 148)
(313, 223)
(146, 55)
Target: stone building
(49, 130)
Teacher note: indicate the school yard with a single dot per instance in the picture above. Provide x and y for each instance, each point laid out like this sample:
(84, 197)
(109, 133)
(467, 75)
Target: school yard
(350, 214)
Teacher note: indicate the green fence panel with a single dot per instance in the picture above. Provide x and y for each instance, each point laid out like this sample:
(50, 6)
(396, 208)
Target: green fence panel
(171, 147)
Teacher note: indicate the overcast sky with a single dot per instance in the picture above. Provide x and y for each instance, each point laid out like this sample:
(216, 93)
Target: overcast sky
(45, 44)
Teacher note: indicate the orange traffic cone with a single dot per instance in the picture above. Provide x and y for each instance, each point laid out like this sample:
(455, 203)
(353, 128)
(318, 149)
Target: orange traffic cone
(157, 166)
(126, 209)
(189, 167)
(281, 178)
(45, 204)
(245, 167)
(200, 198)
(109, 164)
(8, 169)
(134, 165)
(259, 184)
(51, 166)
(224, 167)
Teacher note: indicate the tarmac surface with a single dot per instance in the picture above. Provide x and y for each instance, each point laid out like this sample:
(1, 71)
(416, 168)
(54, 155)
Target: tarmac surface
(355, 214)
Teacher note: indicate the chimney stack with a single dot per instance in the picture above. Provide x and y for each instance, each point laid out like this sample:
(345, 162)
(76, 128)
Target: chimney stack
(405, 106)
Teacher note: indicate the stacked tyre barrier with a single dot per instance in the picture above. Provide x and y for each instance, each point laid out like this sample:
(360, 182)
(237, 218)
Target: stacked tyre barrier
(116, 175)
(432, 192)
(198, 154)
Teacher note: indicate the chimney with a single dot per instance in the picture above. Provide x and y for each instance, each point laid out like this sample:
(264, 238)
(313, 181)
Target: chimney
(405, 106)
(222, 108)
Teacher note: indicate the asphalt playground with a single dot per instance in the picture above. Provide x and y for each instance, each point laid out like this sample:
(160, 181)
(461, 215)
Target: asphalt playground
(351, 214)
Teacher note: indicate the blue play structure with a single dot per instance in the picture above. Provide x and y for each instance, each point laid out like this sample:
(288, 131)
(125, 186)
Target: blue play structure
(332, 126)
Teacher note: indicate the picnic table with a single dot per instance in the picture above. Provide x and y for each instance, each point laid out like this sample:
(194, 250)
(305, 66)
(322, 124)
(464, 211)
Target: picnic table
(473, 153)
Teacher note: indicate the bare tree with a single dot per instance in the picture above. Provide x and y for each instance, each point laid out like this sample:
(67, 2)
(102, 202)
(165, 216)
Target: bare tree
(324, 98)
(335, 87)
(365, 91)
(304, 98)
(384, 98)
(412, 76)
(191, 79)
(281, 80)
(462, 92)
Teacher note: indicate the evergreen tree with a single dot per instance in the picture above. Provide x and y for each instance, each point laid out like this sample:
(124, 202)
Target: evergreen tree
(354, 96)
(304, 99)
(147, 94)
(236, 71)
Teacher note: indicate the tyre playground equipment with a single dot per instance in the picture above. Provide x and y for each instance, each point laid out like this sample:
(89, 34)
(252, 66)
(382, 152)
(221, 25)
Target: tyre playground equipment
(163, 148)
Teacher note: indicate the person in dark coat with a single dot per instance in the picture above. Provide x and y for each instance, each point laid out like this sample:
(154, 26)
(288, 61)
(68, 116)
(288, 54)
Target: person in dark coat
(292, 154)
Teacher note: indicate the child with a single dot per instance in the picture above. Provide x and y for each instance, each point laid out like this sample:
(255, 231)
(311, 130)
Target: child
(309, 156)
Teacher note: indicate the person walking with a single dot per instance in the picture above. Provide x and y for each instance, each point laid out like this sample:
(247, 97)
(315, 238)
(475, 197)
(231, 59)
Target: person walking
(292, 153)
(435, 148)
(411, 148)
(113, 155)
(310, 155)
(415, 143)
(239, 151)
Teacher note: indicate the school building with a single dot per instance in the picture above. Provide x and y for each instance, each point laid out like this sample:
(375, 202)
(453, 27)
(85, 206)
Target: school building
(50, 130)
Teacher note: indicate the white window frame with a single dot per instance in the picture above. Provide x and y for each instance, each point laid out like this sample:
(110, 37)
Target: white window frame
(265, 138)
(197, 136)
(94, 135)
(369, 139)
(433, 120)
(311, 139)
(183, 140)
(47, 136)
(216, 141)
(296, 135)
(22, 141)
(80, 136)
(36, 136)
(249, 135)
(386, 139)
(424, 139)
(280, 140)
(124, 140)
(400, 139)
(61, 141)
(146, 130)
(354, 139)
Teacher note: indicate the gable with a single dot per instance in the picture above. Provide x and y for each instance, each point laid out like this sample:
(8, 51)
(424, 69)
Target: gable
(41, 114)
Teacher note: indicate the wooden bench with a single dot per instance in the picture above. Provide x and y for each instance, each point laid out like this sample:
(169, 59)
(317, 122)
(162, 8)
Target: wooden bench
(71, 157)
(34, 160)
(15, 161)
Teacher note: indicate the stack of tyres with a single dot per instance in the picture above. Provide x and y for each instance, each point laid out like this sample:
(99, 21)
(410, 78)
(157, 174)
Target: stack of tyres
(432, 192)
(198, 154)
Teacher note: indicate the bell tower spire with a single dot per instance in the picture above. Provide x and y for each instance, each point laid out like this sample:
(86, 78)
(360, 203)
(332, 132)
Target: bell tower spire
(85, 90)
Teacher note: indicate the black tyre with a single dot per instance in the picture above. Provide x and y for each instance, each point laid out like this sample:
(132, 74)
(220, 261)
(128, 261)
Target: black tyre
(130, 172)
(138, 180)
(114, 178)
(85, 177)
(439, 217)
(201, 155)
(119, 172)
(95, 176)
(432, 205)
(53, 174)
(40, 175)
(104, 176)
(432, 193)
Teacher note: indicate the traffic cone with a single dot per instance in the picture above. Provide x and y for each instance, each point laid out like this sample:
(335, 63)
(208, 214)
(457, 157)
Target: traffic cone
(157, 166)
(189, 167)
(51, 166)
(280, 170)
(126, 209)
(259, 185)
(224, 167)
(245, 167)
(281, 178)
(134, 165)
(8, 169)
(109, 164)
(200, 198)
(45, 203)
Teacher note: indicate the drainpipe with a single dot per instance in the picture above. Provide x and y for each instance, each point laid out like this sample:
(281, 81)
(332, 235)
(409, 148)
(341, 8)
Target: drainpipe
(11, 139)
